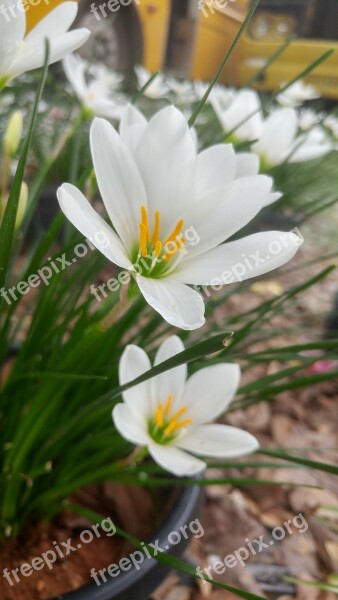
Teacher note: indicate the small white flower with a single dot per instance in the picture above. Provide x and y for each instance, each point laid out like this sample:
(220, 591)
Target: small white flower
(171, 414)
(242, 117)
(111, 79)
(172, 208)
(183, 90)
(312, 144)
(96, 95)
(308, 118)
(297, 94)
(278, 141)
(20, 53)
(158, 87)
(223, 95)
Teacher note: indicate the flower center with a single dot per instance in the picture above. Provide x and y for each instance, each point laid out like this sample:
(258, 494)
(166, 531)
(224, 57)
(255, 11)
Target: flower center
(153, 254)
(163, 427)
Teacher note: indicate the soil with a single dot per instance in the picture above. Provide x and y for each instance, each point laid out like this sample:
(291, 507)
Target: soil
(73, 571)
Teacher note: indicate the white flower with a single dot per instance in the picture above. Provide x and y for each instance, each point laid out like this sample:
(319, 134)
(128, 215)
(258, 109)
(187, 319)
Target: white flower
(242, 117)
(307, 118)
(158, 87)
(297, 94)
(222, 94)
(183, 90)
(111, 79)
(171, 414)
(96, 95)
(171, 209)
(310, 145)
(20, 53)
(278, 141)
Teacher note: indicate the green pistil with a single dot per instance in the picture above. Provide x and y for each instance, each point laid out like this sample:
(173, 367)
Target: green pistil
(156, 432)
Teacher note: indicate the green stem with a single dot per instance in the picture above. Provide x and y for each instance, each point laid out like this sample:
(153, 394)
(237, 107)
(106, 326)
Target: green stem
(225, 60)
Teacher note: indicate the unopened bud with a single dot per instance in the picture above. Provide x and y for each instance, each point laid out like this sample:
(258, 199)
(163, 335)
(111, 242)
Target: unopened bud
(22, 206)
(13, 133)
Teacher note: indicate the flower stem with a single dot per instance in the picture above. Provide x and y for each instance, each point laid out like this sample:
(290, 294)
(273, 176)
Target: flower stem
(137, 456)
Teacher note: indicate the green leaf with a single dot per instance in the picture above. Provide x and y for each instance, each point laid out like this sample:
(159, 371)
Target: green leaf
(140, 93)
(301, 75)
(314, 584)
(257, 76)
(244, 25)
(198, 351)
(8, 224)
(322, 58)
(313, 464)
(164, 557)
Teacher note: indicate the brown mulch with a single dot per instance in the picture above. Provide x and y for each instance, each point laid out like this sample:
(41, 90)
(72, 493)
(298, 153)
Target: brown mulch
(304, 418)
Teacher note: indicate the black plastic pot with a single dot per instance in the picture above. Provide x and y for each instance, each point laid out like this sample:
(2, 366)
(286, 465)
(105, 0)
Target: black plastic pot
(139, 584)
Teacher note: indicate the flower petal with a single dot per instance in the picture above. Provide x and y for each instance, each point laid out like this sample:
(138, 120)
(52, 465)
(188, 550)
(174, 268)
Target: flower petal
(33, 55)
(209, 391)
(55, 23)
(175, 460)
(166, 158)
(83, 216)
(74, 69)
(133, 363)
(221, 441)
(109, 109)
(12, 31)
(247, 164)
(131, 428)
(172, 381)
(310, 152)
(243, 115)
(242, 201)
(277, 136)
(215, 167)
(178, 304)
(132, 119)
(119, 181)
(236, 261)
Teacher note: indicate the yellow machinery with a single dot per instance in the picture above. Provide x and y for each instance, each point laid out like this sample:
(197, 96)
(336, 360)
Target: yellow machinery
(190, 37)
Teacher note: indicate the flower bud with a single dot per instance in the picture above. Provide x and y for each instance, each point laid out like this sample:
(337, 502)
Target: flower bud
(13, 133)
(22, 206)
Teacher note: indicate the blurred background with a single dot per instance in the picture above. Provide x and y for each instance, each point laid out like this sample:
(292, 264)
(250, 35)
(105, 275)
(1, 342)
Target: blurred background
(189, 38)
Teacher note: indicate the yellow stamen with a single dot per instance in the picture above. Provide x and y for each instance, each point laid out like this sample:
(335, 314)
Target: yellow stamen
(168, 405)
(159, 415)
(144, 217)
(158, 248)
(171, 427)
(175, 233)
(143, 240)
(178, 244)
(182, 424)
(156, 234)
(179, 413)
